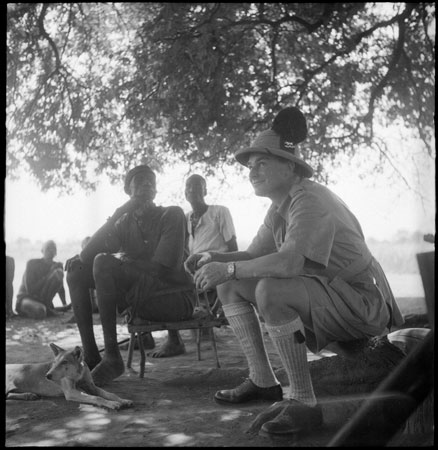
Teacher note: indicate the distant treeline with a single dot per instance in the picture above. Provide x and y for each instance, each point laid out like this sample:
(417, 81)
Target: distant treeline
(398, 255)
(23, 249)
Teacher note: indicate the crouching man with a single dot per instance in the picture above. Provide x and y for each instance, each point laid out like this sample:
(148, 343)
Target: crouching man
(308, 272)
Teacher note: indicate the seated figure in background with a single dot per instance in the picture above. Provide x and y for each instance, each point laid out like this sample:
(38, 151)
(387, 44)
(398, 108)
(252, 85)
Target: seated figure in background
(42, 280)
(134, 261)
(10, 271)
(210, 228)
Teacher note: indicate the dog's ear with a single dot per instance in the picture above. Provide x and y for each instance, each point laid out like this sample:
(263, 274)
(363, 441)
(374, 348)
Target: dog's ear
(55, 349)
(78, 354)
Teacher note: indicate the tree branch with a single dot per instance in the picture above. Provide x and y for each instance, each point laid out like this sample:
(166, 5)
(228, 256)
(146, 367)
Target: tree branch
(423, 136)
(384, 153)
(391, 66)
(273, 56)
(49, 39)
(423, 14)
(287, 18)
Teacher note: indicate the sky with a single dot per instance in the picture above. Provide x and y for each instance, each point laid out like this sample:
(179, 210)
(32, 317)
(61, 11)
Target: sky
(382, 205)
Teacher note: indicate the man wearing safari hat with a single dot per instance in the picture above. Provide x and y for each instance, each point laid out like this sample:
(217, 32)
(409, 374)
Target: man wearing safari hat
(308, 272)
(134, 260)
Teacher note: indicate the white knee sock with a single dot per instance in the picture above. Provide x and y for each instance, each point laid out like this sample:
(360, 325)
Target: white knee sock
(246, 326)
(294, 358)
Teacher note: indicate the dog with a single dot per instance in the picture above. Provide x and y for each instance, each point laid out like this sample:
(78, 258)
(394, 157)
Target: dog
(67, 375)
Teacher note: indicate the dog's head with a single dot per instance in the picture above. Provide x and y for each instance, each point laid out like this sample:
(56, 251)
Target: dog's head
(67, 364)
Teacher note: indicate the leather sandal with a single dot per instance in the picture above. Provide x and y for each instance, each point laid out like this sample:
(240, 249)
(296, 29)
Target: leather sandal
(293, 418)
(248, 391)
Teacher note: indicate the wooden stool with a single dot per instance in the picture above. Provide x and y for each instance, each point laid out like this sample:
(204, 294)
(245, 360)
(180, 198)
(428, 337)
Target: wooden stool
(138, 326)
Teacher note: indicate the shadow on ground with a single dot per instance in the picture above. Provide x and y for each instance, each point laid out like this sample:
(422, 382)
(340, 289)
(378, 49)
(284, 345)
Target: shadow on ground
(173, 403)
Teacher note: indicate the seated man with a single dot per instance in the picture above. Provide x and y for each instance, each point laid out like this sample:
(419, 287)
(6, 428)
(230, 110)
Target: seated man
(309, 273)
(93, 300)
(132, 261)
(42, 280)
(92, 292)
(210, 227)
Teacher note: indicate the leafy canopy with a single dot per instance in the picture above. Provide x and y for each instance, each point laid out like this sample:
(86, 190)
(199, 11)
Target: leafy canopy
(98, 87)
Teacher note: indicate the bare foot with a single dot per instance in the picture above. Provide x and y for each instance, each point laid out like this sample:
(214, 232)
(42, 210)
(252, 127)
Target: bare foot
(169, 348)
(148, 343)
(107, 370)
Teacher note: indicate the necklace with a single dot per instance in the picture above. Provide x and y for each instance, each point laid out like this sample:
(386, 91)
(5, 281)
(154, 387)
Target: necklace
(195, 218)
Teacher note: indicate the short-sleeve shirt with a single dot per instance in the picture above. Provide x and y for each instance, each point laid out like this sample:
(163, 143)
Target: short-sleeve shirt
(214, 229)
(314, 222)
(160, 238)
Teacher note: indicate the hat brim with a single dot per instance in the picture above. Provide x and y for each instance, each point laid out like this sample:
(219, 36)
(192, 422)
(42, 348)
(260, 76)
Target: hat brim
(242, 157)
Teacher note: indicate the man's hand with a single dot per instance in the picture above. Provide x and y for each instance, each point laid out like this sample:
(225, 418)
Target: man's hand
(53, 266)
(70, 263)
(210, 275)
(130, 205)
(194, 262)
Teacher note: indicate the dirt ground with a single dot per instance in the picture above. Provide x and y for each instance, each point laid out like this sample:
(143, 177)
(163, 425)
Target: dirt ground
(173, 403)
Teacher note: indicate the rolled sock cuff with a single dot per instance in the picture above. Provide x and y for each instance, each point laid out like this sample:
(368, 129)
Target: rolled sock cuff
(286, 329)
(236, 309)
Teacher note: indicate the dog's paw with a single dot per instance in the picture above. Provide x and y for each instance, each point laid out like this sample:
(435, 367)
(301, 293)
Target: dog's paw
(31, 396)
(112, 405)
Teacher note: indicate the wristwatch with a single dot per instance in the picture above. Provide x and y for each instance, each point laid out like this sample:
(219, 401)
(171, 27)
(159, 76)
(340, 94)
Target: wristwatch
(231, 270)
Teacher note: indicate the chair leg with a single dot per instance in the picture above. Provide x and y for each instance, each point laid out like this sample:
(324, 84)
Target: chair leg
(142, 355)
(198, 342)
(130, 350)
(213, 341)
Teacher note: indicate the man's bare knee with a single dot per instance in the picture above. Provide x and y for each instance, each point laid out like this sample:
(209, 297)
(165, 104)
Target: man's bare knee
(225, 292)
(275, 299)
(237, 291)
(103, 263)
(266, 298)
(32, 309)
(75, 276)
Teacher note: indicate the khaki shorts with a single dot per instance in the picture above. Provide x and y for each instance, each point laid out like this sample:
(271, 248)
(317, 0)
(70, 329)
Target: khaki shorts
(343, 312)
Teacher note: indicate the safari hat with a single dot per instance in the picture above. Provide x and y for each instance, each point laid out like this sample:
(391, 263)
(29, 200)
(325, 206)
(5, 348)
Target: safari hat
(288, 129)
(136, 170)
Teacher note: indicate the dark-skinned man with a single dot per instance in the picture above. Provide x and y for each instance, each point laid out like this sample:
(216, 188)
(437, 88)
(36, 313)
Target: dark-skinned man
(42, 280)
(134, 260)
(210, 227)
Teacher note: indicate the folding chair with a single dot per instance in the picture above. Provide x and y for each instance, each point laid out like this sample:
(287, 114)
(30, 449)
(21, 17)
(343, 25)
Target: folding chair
(201, 319)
